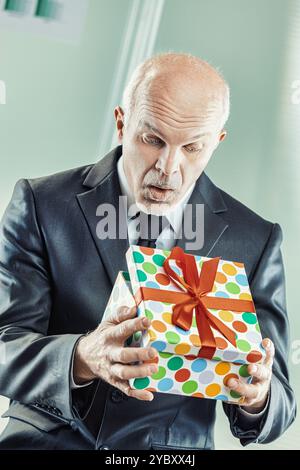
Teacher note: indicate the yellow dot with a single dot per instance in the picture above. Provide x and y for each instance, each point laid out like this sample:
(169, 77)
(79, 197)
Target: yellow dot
(152, 335)
(212, 390)
(195, 340)
(182, 348)
(225, 315)
(245, 296)
(214, 288)
(222, 368)
(229, 269)
(167, 317)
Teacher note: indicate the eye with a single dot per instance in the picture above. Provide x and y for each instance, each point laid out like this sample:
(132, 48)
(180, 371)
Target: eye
(152, 140)
(192, 148)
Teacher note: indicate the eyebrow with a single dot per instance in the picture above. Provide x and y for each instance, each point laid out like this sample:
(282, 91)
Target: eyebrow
(156, 131)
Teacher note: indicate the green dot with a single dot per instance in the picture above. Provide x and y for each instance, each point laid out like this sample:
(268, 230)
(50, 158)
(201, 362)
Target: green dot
(141, 275)
(138, 257)
(159, 374)
(126, 276)
(148, 314)
(141, 382)
(234, 394)
(137, 335)
(243, 345)
(166, 252)
(233, 288)
(149, 268)
(172, 338)
(190, 386)
(165, 355)
(249, 318)
(257, 327)
(217, 358)
(243, 371)
(158, 259)
(175, 363)
(194, 322)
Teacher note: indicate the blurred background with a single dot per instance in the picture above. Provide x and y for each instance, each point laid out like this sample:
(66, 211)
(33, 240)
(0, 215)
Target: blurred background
(63, 66)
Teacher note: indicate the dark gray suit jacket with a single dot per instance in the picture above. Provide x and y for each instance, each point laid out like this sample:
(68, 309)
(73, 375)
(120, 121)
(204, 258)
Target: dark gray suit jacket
(55, 280)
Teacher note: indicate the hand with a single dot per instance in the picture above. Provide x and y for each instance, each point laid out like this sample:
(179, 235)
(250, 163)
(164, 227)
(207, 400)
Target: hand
(256, 393)
(101, 354)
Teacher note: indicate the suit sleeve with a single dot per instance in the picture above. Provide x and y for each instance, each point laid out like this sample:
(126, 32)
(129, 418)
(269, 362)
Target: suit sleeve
(35, 368)
(268, 290)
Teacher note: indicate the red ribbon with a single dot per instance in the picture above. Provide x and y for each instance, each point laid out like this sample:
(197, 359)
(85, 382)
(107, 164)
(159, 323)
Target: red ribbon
(195, 288)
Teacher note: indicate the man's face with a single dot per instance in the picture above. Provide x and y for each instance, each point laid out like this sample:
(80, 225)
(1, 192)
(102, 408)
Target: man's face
(166, 146)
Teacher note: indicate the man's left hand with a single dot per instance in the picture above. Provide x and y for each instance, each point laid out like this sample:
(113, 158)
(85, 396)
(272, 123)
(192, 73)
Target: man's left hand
(256, 393)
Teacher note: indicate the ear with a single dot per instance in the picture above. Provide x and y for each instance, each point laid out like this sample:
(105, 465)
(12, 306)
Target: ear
(119, 117)
(222, 135)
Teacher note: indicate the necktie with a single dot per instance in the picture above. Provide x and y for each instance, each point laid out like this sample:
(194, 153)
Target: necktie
(151, 227)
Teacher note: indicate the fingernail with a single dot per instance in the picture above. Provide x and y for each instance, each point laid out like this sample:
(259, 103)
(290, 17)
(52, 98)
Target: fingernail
(267, 343)
(253, 369)
(145, 321)
(153, 369)
(233, 383)
(151, 353)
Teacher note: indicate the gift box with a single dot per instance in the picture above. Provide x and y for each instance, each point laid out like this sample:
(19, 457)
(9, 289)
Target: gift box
(203, 320)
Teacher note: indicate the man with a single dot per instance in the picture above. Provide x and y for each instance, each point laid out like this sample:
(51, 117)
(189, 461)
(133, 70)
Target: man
(67, 372)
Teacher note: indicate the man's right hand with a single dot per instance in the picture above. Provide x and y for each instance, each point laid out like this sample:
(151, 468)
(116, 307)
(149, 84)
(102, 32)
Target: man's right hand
(102, 355)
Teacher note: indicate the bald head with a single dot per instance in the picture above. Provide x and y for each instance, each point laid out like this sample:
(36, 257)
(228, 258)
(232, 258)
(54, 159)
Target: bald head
(182, 79)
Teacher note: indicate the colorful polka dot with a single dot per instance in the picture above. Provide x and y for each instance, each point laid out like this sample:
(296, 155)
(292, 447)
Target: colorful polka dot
(162, 279)
(232, 288)
(159, 345)
(206, 377)
(195, 340)
(182, 349)
(245, 296)
(141, 276)
(221, 343)
(241, 279)
(167, 317)
(138, 257)
(165, 384)
(159, 326)
(175, 363)
(172, 338)
(243, 371)
(249, 318)
(159, 374)
(152, 284)
(152, 335)
(146, 250)
(148, 314)
(254, 356)
(221, 294)
(189, 386)
(141, 383)
(149, 268)
(228, 377)
(234, 394)
(212, 390)
(198, 365)
(239, 326)
(229, 269)
(182, 375)
(243, 345)
(225, 315)
(221, 278)
(222, 368)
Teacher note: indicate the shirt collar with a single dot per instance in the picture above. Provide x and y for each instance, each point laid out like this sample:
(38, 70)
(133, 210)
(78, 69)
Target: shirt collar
(174, 216)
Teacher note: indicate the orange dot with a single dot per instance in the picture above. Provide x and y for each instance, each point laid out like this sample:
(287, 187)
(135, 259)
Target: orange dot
(229, 376)
(159, 326)
(222, 368)
(239, 265)
(239, 326)
(151, 389)
(221, 343)
(254, 356)
(146, 250)
(182, 375)
(221, 278)
(198, 395)
(212, 390)
(195, 340)
(182, 348)
(162, 279)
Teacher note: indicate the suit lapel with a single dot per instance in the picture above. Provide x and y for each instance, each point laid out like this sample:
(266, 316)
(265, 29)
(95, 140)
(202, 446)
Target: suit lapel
(104, 187)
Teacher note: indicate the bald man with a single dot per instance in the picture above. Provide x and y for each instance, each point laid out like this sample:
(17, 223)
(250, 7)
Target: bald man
(67, 372)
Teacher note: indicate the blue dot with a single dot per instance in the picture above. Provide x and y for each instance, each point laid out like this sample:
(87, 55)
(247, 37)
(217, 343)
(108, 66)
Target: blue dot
(152, 284)
(221, 294)
(240, 361)
(165, 384)
(181, 331)
(176, 269)
(221, 397)
(241, 279)
(159, 345)
(198, 365)
(155, 306)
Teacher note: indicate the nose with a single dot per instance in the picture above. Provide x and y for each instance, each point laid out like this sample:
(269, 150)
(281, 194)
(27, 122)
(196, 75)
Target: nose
(168, 163)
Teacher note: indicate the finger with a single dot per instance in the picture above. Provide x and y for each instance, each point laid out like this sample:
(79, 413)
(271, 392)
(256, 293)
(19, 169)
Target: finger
(270, 351)
(126, 372)
(126, 328)
(246, 390)
(131, 392)
(127, 355)
(260, 371)
(122, 313)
